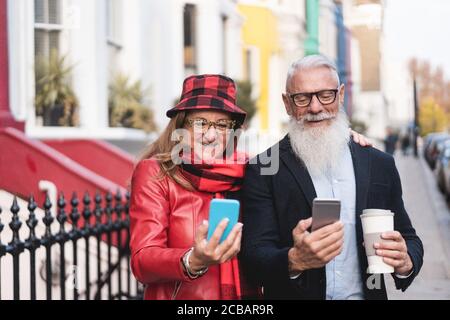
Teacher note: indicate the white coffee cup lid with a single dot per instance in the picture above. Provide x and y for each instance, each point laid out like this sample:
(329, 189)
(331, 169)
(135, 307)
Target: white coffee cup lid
(376, 212)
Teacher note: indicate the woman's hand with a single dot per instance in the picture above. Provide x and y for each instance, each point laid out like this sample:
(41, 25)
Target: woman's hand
(360, 139)
(208, 253)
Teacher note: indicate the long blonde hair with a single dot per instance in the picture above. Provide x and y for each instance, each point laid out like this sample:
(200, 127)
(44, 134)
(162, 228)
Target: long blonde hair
(161, 150)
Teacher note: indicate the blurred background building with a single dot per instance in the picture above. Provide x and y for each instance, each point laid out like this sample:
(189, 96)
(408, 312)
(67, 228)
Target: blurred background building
(112, 46)
(108, 70)
(156, 43)
(364, 19)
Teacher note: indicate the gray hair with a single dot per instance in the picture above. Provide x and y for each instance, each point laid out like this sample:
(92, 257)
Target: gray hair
(310, 62)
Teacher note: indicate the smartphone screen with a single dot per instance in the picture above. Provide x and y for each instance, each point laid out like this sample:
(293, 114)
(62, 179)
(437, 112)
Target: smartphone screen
(220, 209)
(325, 212)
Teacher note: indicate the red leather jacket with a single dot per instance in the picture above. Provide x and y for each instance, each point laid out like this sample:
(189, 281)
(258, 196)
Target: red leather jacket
(163, 220)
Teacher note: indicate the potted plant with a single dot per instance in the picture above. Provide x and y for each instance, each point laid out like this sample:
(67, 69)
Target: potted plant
(127, 107)
(55, 100)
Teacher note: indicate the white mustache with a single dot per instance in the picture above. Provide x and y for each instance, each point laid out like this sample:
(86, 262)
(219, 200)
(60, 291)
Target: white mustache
(318, 117)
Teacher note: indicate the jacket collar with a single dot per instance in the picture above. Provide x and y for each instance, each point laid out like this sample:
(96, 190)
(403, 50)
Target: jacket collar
(361, 165)
(298, 169)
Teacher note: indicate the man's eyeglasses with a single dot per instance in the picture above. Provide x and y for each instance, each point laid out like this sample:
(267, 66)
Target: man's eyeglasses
(302, 100)
(203, 125)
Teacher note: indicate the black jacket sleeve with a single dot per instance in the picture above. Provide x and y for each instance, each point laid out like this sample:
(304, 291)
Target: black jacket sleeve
(265, 262)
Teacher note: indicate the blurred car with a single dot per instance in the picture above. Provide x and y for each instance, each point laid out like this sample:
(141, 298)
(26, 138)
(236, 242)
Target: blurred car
(426, 143)
(446, 180)
(435, 145)
(442, 164)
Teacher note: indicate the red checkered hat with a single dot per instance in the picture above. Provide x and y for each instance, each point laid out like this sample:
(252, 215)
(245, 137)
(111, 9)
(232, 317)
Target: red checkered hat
(209, 91)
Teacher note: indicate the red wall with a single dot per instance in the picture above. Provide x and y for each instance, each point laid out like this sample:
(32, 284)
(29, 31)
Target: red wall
(24, 162)
(6, 118)
(100, 157)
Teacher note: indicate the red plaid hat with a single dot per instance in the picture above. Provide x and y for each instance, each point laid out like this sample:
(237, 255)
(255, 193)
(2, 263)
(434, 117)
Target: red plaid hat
(209, 91)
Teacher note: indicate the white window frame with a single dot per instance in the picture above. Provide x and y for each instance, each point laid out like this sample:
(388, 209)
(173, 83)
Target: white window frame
(114, 36)
(21, 58)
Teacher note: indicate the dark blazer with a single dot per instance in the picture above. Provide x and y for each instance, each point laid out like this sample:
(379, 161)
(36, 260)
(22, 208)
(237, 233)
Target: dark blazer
(273, 205)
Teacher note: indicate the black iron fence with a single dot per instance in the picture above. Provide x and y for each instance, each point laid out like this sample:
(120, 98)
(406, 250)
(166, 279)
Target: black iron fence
(83, 253)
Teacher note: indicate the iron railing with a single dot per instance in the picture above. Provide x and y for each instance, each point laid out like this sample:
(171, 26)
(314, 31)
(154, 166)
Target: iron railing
(93, 243)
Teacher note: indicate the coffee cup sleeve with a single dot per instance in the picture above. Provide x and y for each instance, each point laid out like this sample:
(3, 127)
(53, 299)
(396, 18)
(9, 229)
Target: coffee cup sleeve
(369, 240)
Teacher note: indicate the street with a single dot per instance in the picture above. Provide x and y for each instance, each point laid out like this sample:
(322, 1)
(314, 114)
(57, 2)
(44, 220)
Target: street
(430, 217)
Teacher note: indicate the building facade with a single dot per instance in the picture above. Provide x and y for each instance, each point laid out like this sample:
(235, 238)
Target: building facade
(155, 42)
(159, 43)
(364, 19)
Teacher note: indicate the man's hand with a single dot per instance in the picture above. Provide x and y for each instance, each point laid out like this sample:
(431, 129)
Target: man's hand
(316, 249)
(395, 252)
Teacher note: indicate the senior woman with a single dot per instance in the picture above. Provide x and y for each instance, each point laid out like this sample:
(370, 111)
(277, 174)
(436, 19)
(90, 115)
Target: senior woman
(193, 161)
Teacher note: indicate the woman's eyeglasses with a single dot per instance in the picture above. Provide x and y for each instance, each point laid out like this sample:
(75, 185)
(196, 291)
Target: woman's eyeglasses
(203, 125)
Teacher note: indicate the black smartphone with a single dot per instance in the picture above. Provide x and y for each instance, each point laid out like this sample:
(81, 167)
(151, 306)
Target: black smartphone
(325, 212)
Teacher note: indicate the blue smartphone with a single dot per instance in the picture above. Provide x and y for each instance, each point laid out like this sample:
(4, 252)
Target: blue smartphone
(220, 209)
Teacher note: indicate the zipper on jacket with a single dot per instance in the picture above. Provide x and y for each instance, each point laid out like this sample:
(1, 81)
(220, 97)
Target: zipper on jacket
(176, 289)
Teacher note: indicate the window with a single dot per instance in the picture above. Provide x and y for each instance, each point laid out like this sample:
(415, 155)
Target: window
(47, 35)
(47, 26)
(47, 11)
(189, 23)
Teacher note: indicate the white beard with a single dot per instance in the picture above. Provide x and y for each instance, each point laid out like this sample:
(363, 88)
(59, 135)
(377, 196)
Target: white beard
(320, 148)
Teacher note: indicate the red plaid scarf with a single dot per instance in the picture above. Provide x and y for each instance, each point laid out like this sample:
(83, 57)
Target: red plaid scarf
(218, 178)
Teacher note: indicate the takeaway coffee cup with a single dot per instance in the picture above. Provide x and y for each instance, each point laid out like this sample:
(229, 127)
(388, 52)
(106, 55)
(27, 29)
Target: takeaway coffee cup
(374, 223)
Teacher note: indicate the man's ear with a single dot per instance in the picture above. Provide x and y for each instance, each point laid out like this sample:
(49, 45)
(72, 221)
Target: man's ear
(287, 105)
(342, 94)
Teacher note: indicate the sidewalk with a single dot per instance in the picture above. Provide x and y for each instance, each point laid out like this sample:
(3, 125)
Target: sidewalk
(430, 217)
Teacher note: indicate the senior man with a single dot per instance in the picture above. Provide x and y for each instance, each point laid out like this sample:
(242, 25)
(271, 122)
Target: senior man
(318, 159)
